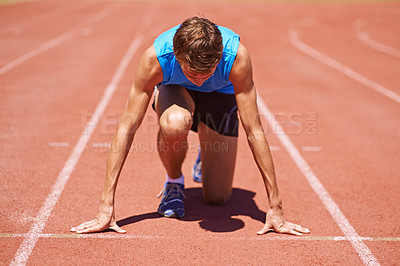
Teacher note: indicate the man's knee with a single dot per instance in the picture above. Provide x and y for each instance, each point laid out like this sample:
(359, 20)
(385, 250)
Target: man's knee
(175, 124)
(219, 198)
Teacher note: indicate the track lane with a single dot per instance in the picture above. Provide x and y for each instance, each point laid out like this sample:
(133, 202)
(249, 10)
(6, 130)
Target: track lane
(28, 158)
(350, 155)
(30, 123)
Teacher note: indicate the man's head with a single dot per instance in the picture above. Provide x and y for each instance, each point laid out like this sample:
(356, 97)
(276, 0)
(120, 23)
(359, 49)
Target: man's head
(198, 46)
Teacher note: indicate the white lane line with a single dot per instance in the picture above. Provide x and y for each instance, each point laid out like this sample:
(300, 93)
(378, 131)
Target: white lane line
(94, 144)
(29, 242)
(41, 49)
(347, 229)
(227, 238)
(311, 148)
(274, 148)
(101, 144)
(298, 44)
(56, 41)
(374, 44)
(58, 144)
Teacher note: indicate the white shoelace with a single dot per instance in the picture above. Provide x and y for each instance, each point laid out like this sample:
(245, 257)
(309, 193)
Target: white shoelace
(171, 187)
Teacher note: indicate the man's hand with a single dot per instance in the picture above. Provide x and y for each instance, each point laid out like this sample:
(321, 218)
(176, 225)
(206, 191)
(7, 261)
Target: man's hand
(276, 222)
(104, 220)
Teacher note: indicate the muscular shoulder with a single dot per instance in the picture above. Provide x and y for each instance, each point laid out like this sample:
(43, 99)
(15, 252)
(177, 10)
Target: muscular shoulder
(149, 71)
(149, 60)
(242, 71)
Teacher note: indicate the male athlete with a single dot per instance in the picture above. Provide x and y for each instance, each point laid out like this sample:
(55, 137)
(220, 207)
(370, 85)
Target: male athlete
(201, 76)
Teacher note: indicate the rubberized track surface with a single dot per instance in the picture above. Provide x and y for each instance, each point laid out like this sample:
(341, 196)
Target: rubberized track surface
(328, 73)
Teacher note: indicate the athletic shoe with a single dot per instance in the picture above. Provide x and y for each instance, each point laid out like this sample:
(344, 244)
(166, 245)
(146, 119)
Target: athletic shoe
(172, 200)
(196, 171)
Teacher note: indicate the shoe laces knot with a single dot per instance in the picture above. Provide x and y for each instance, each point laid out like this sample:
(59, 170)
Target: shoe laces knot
(173, 189)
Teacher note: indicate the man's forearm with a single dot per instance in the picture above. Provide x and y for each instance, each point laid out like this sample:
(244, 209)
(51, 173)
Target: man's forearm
(116, 159)
(262, 155)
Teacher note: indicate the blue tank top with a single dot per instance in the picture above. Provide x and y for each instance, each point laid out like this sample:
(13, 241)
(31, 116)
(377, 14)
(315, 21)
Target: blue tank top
(172, 71)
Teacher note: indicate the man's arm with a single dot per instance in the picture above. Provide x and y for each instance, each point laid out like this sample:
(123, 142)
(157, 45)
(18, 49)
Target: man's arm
(242, 79)
(148, 74)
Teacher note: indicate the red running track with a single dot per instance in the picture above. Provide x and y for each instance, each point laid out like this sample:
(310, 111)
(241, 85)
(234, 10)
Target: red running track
(58, 58)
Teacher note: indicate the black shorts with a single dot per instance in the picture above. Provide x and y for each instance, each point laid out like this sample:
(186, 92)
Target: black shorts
(216, 110)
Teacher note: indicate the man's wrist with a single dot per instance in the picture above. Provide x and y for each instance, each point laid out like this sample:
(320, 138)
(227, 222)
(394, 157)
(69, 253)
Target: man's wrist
(275, 203)
(107, 200)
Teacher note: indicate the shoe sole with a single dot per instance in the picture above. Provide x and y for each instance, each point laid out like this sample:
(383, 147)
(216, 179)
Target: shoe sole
(170, 214)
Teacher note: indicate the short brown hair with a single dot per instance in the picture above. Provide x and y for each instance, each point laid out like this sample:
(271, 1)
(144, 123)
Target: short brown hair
(198, 44)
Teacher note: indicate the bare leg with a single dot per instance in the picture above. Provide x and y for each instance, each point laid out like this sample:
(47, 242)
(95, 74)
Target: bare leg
(174, 108)
(218, 155)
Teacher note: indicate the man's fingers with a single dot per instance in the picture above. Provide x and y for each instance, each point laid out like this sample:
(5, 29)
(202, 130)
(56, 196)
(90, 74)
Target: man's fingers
(95, 226)
(117, 229)
(297, 227)
(294, 232)
(261, 232)
(88, 227)
(80, 226)
(285, 230)
(83, 226)
(267, 228)
(92, 227)
(89, 230)
(302, 229)
(278, 224)
(293, 229)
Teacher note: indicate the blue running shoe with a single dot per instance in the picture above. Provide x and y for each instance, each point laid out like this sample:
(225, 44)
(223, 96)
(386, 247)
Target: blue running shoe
(196, 171)
(172, 201)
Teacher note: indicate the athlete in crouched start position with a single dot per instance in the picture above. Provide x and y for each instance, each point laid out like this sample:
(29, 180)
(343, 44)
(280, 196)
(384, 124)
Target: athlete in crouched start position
(202, 76)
